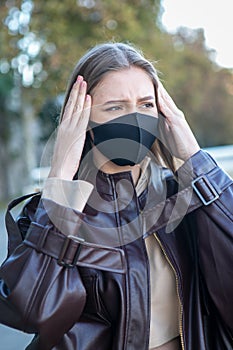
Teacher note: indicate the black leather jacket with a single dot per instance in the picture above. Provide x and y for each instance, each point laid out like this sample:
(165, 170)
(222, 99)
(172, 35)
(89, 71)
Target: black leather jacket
(99, 293)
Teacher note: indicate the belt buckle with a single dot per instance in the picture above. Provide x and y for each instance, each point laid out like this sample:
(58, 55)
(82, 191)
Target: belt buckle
(65, 248)
(210, 188)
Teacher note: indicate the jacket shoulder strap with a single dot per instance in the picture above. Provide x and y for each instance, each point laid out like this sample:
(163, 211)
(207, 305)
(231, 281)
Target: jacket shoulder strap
(202, 191)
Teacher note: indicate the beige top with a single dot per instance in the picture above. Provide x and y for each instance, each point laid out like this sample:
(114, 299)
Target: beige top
(164, 324)
(164, 300)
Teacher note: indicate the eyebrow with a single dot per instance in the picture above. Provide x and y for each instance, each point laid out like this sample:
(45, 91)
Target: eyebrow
(146, 98)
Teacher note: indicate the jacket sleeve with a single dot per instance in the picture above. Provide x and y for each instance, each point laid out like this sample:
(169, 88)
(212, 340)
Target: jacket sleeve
(214, 229)
(38, 292)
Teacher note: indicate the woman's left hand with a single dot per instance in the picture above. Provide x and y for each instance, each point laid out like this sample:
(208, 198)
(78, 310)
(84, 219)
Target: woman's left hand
(174, 131)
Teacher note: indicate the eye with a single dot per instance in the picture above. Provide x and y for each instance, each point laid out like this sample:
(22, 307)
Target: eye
(148, 105)
(113, 108)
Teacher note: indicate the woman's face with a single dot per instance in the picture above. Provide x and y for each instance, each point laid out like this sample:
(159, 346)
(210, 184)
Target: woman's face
(122, 92)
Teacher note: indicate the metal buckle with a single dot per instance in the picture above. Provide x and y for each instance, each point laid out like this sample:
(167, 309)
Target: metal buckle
(65, 248)
(210, 188)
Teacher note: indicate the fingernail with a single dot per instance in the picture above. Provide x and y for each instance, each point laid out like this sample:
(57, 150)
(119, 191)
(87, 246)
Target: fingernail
(79, 78)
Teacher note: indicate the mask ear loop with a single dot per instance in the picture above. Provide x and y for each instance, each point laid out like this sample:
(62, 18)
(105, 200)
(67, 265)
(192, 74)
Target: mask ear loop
(88, 145)
(90, 133)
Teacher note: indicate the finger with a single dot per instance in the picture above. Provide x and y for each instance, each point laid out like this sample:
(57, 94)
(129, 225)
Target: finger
(167, 104)
(165, 97)
(81, 98)
(85, 114)
(164, 106)
(82, 124)
(161, 100)
(72, 100)
(82, 121)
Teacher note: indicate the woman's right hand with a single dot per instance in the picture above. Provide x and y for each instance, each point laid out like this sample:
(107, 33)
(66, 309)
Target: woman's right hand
(71, 133)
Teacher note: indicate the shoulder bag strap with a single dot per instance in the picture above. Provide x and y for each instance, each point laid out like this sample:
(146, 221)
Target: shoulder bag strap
(14, 235)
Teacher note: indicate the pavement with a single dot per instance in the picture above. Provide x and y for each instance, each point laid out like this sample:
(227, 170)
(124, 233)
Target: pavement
(10, 339)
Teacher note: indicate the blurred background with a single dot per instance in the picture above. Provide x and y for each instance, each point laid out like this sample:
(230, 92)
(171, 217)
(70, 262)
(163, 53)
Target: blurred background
(41, 41)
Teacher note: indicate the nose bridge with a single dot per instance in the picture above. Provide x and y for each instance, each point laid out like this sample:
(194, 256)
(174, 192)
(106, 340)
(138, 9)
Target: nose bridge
(132, 107)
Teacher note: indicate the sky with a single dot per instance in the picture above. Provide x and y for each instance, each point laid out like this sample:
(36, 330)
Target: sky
(215, 17)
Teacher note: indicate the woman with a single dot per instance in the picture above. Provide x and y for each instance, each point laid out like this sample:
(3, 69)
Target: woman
(129, 246)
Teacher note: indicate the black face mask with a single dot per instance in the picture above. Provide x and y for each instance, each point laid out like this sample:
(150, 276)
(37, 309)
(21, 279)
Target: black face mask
(127, 139)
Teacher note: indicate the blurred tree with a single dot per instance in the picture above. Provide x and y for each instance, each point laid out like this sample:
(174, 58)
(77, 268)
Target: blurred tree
(21, 51)
(6, 84)
(74, 26)
(200, 88)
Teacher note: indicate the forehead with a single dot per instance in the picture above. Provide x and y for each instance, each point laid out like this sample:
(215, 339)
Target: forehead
(126, 83)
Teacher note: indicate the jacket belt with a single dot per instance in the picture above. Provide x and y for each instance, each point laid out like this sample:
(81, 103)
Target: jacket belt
(72, 251)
